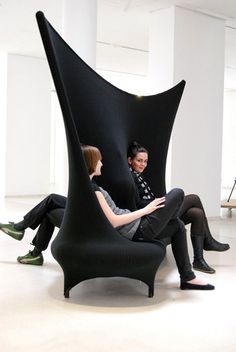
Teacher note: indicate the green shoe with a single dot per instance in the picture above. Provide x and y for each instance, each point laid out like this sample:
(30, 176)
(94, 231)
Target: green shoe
(29, 258)
(10, 230)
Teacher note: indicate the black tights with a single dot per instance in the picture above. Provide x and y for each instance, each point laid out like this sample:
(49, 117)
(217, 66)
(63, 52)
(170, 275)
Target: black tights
(192, 212)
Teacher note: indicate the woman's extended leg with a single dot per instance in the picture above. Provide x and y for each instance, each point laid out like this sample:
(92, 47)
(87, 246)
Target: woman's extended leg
(199, 223)
(35, 216)
(192, 212)
(43, 237)
(176, 231)
(196, 217)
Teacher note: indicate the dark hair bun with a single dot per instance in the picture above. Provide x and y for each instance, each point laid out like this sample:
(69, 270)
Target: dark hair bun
(135, 148)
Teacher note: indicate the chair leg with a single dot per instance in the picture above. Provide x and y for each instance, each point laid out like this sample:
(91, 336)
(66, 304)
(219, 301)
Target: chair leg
(67, 293)
(150, 291)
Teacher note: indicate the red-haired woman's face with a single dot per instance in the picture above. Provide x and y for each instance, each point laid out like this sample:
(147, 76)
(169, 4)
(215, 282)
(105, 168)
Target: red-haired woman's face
(139, 162)
(98, 168)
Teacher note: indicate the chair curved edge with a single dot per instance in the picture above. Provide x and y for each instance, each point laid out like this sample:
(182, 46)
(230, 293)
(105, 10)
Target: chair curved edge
(145, 258)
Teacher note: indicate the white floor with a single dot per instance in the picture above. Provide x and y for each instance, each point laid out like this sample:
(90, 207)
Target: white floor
(114, 314)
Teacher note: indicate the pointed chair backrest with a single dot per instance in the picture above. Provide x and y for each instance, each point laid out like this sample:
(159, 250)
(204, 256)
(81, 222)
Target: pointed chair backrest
(97, 113)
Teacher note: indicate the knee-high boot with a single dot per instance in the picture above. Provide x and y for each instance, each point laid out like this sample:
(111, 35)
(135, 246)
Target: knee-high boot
(199, 262)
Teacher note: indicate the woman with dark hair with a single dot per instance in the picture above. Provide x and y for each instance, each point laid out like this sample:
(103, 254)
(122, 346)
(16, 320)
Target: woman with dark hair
(154, 222)
(191, 212)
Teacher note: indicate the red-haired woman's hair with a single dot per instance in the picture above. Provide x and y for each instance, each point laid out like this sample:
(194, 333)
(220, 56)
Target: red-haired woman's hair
(91, 155)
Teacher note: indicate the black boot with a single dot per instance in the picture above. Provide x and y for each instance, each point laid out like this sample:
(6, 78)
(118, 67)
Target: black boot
(210, 244)
(199, 262)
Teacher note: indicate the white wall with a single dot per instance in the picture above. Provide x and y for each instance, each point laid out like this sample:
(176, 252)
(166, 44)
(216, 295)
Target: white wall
(229, 140)
(229, 127)
(28, 126)
(58, 150)
(183, 45)
(3, 101)
(79, 28)
(161, 50)
(134, 84)
(197, 135)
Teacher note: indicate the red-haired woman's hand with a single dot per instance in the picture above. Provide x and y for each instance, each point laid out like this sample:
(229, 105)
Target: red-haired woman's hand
(154, 205)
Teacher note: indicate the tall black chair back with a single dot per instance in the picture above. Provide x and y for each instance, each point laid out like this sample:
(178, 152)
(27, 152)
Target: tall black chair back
(97, 113)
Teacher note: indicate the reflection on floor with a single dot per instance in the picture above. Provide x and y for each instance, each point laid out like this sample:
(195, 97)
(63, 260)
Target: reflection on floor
(114, 314)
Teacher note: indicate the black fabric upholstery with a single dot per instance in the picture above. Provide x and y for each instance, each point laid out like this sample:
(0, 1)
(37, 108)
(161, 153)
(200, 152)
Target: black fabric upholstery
(97, 113)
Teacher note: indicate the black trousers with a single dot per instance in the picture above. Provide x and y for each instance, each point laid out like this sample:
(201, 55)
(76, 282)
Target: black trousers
(164, 223)
(47, 214)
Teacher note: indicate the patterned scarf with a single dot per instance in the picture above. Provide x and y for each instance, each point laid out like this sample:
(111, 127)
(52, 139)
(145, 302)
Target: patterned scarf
(144, 190)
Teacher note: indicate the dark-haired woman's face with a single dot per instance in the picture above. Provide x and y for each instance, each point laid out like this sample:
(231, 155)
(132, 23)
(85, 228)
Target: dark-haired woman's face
(139, 162)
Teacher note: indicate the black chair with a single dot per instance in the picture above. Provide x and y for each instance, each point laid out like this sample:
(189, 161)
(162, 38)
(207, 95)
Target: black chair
(97, 113)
